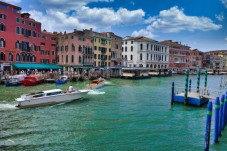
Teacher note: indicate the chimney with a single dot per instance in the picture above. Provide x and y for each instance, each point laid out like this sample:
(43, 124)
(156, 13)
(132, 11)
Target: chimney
(91, 29)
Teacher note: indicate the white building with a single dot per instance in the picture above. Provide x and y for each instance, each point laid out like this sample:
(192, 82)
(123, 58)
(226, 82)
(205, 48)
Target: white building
(144, 52)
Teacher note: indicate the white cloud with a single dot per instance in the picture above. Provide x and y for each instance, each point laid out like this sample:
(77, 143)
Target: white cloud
(68, 4)
(174, 20)
(145, 33)
(224, 2)
(225, 38)
(12, 1)
(96, 18)
(220, 17)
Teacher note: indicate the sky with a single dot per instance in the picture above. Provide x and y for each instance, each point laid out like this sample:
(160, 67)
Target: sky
(200, 24)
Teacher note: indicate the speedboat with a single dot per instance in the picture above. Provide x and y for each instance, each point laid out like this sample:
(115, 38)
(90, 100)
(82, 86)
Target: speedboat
(48, 97)
(95, 84)
(32, 80)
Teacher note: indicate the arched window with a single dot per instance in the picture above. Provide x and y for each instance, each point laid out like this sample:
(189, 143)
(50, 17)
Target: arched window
(131, 57)
(2, 27)
(141, 46)
(141, 65)
(10, 56)
(62, 59)
(17, 45)
(125, 49)
(151, 66)
(147, 65)
(17, 57)
(155, 66)
(131, 48)
(66, 59)
(2, 56)
(141, 56)
(33, 59)
(80, 48)
(72, 59)
(2, 42)
(30, 58)
(126, 57)
(18, 30)
(73, 47)
(22, 57)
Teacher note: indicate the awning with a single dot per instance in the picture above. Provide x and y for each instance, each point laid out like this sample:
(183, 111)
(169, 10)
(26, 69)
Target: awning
(35, 66)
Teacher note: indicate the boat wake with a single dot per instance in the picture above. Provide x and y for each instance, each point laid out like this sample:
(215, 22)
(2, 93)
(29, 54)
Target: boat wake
(7, 106)
(108, 83)
(95, 92)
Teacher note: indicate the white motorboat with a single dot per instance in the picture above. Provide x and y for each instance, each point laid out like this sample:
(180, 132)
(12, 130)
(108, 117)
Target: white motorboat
(95, 84)
(48, 97)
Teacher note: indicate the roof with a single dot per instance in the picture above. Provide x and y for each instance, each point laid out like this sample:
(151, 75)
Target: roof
(17, 7)
(35, 66)
(140, 38)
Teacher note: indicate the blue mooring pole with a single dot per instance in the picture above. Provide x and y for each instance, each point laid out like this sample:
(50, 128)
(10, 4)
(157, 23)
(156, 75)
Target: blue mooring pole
(190, 85)
(224, 111)
(172, 94)
(221, 115)
(216, 119)
(208, 125)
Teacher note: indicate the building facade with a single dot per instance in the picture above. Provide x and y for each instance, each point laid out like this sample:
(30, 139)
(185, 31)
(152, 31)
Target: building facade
(116, 43)
(195, 59)
(74, 49)
(145, 52)
(21, 38)
(178, 56)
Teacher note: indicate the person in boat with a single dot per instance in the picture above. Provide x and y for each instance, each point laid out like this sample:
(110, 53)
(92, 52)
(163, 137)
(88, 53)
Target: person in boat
(100, 79)
(71, 89)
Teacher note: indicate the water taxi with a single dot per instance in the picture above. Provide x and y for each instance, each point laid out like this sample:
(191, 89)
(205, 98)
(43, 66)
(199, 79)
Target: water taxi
(97, 83)
(48, 97)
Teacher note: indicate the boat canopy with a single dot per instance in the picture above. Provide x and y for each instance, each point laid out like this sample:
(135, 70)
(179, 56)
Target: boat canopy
(35, 66)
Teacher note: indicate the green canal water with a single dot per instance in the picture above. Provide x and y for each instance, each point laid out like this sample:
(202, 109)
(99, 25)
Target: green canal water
(125, 115)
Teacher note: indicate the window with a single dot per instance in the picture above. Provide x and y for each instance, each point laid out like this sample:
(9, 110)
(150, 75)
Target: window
(33, 33)
(147, 46)
(53, 53)
(18, 20)
(17, 45)
(73, 47)
(18, 57)
(131, 42)
(131, 57)
(79, 59)
(10, 56)
(80, 48)
(22, 21)
(147, 56)
(66, 59)
(2, 16)
(131, 48)
(18, 30)
(125, 49)
(141, 46)
(2, 43)
(2, 56)
(33, 24)
(2, 27)
(72, 59)
(141, 56)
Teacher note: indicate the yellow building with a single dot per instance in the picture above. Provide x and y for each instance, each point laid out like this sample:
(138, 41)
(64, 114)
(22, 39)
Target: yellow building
(102, 48)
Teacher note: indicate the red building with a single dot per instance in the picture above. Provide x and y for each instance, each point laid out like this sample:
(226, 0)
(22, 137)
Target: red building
(21, 39)
(178, 56)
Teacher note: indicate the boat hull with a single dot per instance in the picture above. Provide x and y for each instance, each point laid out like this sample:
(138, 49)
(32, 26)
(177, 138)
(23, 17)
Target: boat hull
(61, 81)
(48, 100)
(10, 84)
(97, 86)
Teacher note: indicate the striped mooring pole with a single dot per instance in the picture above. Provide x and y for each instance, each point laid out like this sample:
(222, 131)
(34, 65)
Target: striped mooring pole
(216, 119)
(208, 125)
(186, 87)
(205, 82)
(225, 111)
(198, 80)
(221, 120)
(190, 85)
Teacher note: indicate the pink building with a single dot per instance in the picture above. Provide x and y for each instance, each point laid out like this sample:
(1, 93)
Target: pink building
(74, 50)
(178, 56)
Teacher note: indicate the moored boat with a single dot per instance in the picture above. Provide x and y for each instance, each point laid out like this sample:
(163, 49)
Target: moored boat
(48, 97)
(14, 80)
(32, 80)
(135, 73)
(62, 80)
(97, 83)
